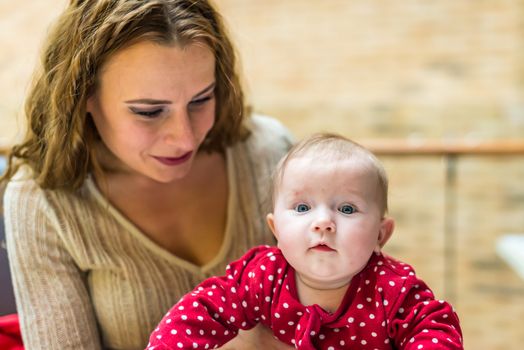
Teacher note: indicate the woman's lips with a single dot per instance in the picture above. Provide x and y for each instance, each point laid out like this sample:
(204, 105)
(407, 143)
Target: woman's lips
(323, 248)
(171, 161)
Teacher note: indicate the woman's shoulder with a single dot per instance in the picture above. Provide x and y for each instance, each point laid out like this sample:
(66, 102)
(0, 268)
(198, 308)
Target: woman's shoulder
(268, 137)
(23, 188)
(22, 185)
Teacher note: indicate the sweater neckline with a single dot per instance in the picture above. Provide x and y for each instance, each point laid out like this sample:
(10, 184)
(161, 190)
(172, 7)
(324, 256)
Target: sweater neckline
(133, 230)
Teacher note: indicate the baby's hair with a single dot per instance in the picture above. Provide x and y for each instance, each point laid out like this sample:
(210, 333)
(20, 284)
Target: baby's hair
(329, 146)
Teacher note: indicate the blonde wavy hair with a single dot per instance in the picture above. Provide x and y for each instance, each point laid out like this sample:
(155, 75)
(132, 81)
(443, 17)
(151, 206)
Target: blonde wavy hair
(59, 141)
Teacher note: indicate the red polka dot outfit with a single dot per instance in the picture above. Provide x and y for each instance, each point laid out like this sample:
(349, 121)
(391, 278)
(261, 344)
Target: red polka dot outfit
(385, 307)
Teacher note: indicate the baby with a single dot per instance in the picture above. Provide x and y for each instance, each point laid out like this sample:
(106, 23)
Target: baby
(327, 285)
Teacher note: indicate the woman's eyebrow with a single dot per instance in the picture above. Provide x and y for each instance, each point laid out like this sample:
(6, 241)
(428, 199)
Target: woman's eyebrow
(206, 90)
(152, 101)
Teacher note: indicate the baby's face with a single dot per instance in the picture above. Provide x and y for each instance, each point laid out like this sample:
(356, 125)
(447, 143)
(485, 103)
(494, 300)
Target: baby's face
(327, 219)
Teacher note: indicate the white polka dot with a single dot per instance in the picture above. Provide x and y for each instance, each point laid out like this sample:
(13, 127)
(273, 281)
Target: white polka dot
(342, 343)
(159, 336)
(184, 317)
(180, 345)
(391, 283)
(168, 320)
(282, 331)
(277, 315)
(363, 342)
(271, 277)
(195, 345)
(362, 324)
(371, 316)
(285, 305)
(373, 334)
(291, 323)
(188, 331)
(385, 303)
(353, 337)
(351, 319)
(181, 307)
(210, 293)
(420, 346)
(322, 337)
(312, 333)
(360, 306)
(434, 340)
(232, 319)
(262, 267)
(173, 331)
(200, 318)
(400, 310)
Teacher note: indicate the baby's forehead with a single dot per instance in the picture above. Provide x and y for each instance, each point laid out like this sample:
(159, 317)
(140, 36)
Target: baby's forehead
(312, 162)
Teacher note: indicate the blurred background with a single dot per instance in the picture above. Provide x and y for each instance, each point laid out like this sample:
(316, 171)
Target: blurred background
(396, 76)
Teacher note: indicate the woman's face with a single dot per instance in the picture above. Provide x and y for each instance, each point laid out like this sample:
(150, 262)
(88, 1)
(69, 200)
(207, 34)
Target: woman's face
(154, 105)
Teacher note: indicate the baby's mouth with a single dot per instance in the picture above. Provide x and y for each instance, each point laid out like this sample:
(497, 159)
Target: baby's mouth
(323, 248)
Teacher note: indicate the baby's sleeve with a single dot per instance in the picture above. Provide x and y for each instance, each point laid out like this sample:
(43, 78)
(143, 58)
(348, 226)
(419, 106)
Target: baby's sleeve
(421, 322)
(211, 314)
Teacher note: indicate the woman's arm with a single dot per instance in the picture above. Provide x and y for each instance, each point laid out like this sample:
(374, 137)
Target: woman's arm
(52, 297)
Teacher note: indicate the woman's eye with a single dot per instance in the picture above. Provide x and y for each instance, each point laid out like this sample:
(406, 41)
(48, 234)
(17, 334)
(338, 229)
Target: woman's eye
(347, 209)
(148, 113)
(200, 101)
(301, 208)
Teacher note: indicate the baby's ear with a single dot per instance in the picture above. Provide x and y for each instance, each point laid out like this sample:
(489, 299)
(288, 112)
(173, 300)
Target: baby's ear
(271, 223)
(386, 230)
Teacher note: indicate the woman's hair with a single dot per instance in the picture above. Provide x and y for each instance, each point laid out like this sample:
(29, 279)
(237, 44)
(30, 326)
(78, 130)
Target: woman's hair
(59, 141)
(328, 146)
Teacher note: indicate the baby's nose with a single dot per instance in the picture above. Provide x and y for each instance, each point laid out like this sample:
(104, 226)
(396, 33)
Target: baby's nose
(324, 225)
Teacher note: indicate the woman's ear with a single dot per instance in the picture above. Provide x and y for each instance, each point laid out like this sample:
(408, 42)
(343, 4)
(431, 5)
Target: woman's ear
(271, 223)
(90, 104)
(386, 230)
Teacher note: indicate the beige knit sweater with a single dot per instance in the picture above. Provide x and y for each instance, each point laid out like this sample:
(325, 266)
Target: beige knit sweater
(86, 278)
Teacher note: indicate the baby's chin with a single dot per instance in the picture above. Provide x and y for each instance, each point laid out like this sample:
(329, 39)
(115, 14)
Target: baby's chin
(324, 281)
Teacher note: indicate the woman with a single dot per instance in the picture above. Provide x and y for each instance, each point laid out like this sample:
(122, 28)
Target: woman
(139, 176)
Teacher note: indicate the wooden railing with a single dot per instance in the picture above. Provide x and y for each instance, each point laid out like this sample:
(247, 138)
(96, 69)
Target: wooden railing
(451, 151)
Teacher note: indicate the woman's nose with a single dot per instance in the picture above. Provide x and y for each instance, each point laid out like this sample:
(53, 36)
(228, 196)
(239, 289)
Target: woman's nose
(179, 129)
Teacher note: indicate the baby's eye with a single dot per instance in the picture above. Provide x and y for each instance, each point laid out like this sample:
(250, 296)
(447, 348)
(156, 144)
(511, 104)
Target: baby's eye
(301, 208)
(347, 209)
